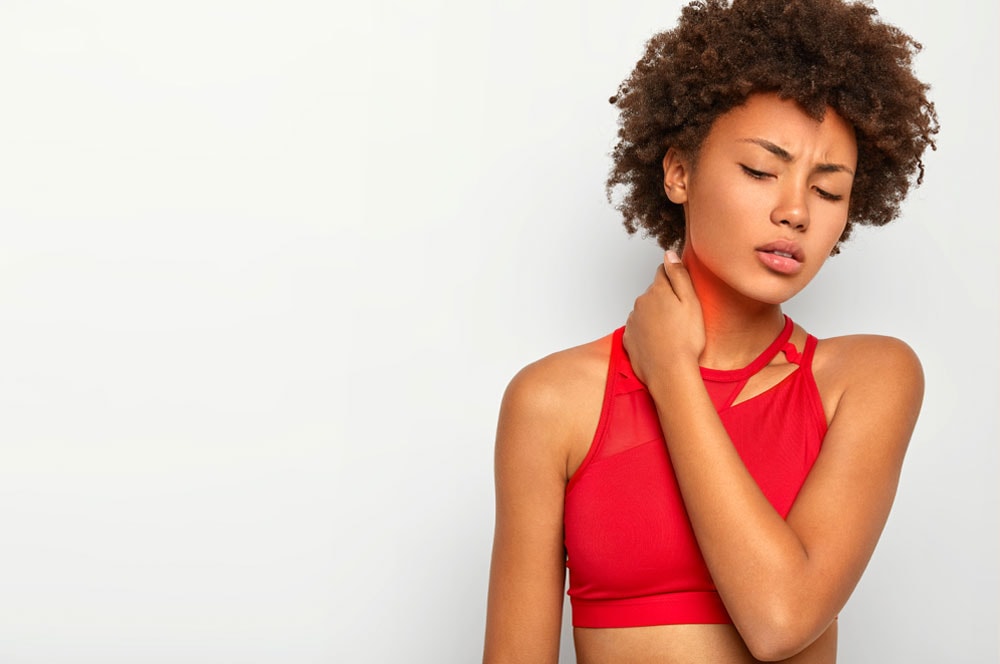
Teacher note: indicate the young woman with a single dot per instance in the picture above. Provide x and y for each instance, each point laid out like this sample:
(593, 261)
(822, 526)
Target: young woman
(715, 478)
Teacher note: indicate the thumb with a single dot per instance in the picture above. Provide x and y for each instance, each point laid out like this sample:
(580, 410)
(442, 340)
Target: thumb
(678, 276)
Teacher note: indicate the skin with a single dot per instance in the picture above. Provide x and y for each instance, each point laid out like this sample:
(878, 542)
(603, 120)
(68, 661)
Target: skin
(765, 172)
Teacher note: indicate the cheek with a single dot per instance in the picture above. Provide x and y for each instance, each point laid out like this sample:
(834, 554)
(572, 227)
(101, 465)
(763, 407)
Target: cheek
(835, 231)
(702, 221)
(715, 234)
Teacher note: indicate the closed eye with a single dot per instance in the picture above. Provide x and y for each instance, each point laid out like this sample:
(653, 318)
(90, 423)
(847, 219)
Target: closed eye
(756, 175)
(827, 195)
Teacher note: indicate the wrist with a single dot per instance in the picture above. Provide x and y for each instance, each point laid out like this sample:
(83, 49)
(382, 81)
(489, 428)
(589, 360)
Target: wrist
(676, 378)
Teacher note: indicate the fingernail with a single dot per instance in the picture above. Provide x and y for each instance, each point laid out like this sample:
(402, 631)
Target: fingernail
(672, 256)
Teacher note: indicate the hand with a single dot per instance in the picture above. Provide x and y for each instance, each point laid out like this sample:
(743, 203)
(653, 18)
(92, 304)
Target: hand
(666, 327)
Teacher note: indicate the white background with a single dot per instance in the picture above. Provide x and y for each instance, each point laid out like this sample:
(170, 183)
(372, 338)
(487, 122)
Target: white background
(266, 268)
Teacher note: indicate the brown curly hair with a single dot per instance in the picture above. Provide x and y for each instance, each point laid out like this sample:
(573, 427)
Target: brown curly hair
(821, 53)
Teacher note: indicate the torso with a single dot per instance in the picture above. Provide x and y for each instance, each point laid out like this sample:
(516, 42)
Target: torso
(683, 644)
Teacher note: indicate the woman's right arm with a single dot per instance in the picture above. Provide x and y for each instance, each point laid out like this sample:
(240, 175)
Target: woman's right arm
(527, 574)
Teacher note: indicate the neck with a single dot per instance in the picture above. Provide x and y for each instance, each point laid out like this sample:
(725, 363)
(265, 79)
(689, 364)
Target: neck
(737, 328)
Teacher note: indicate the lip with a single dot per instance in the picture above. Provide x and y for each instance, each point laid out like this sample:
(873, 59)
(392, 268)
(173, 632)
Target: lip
(782, 264)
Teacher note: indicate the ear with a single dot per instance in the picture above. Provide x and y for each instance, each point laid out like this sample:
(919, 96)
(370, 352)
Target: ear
(675, 176)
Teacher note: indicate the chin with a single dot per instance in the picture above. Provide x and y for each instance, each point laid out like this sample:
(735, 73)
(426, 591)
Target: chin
(773, 294)
(779, 299)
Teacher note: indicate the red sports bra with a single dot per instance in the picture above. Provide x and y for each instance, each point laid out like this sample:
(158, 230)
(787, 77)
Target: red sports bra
(632, 556)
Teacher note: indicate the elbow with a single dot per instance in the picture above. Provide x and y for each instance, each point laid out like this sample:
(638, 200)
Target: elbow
(779, 636)
(775, 649)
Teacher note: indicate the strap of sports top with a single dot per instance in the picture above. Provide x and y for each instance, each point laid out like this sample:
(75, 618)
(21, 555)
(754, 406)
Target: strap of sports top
(621, 377)
(809, 351)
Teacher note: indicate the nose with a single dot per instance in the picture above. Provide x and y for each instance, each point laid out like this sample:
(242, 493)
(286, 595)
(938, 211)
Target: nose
(791, 209)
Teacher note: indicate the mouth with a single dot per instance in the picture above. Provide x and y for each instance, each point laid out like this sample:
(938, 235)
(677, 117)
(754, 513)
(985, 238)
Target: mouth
(784, 249)
(782, 256)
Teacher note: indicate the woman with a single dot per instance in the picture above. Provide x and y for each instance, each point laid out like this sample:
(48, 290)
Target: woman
(715, 478)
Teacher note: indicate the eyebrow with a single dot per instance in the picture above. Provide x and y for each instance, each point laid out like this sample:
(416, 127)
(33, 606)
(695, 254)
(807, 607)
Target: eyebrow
(784, 155)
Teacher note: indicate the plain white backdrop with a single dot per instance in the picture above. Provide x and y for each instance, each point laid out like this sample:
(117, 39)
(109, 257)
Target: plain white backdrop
(266, 268)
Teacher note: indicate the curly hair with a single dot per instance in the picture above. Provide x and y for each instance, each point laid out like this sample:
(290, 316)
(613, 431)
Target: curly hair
(820, 53)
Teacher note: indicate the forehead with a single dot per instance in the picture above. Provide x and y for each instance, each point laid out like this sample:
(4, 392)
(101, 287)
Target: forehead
(784, 123)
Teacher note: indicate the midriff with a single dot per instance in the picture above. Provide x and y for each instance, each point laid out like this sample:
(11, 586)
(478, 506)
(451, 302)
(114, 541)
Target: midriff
(685, 644)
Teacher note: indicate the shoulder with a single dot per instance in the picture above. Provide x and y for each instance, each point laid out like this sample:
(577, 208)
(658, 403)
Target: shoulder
(882, 371)
(862, 357)
(551, 383)
(552, 405)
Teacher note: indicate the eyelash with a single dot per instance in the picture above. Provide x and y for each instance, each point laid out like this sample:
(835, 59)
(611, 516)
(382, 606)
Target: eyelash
(756, 175)
(761, 175)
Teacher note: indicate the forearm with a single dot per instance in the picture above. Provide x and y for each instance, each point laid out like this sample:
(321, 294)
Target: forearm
(758, 562)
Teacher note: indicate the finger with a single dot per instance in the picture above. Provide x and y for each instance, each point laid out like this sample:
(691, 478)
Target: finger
(661, 276)
(680, 280)
(662, 281)
(627, 335)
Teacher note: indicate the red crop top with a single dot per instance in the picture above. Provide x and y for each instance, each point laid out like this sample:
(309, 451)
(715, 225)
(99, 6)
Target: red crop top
(632, 556)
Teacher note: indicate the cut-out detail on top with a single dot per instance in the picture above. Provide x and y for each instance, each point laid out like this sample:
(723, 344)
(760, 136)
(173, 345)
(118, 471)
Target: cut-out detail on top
(725, 386)
(744, 395)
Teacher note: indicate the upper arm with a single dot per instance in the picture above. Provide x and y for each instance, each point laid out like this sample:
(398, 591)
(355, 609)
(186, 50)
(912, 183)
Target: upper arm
(527, 573)
(845, 501)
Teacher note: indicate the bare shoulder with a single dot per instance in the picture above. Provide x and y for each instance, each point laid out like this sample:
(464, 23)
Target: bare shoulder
(550, 383)
(859, 356)
(554, 403)
(882, 369)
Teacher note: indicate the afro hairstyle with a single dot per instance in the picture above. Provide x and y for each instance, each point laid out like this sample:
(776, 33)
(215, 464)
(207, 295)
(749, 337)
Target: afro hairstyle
(819, 53)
